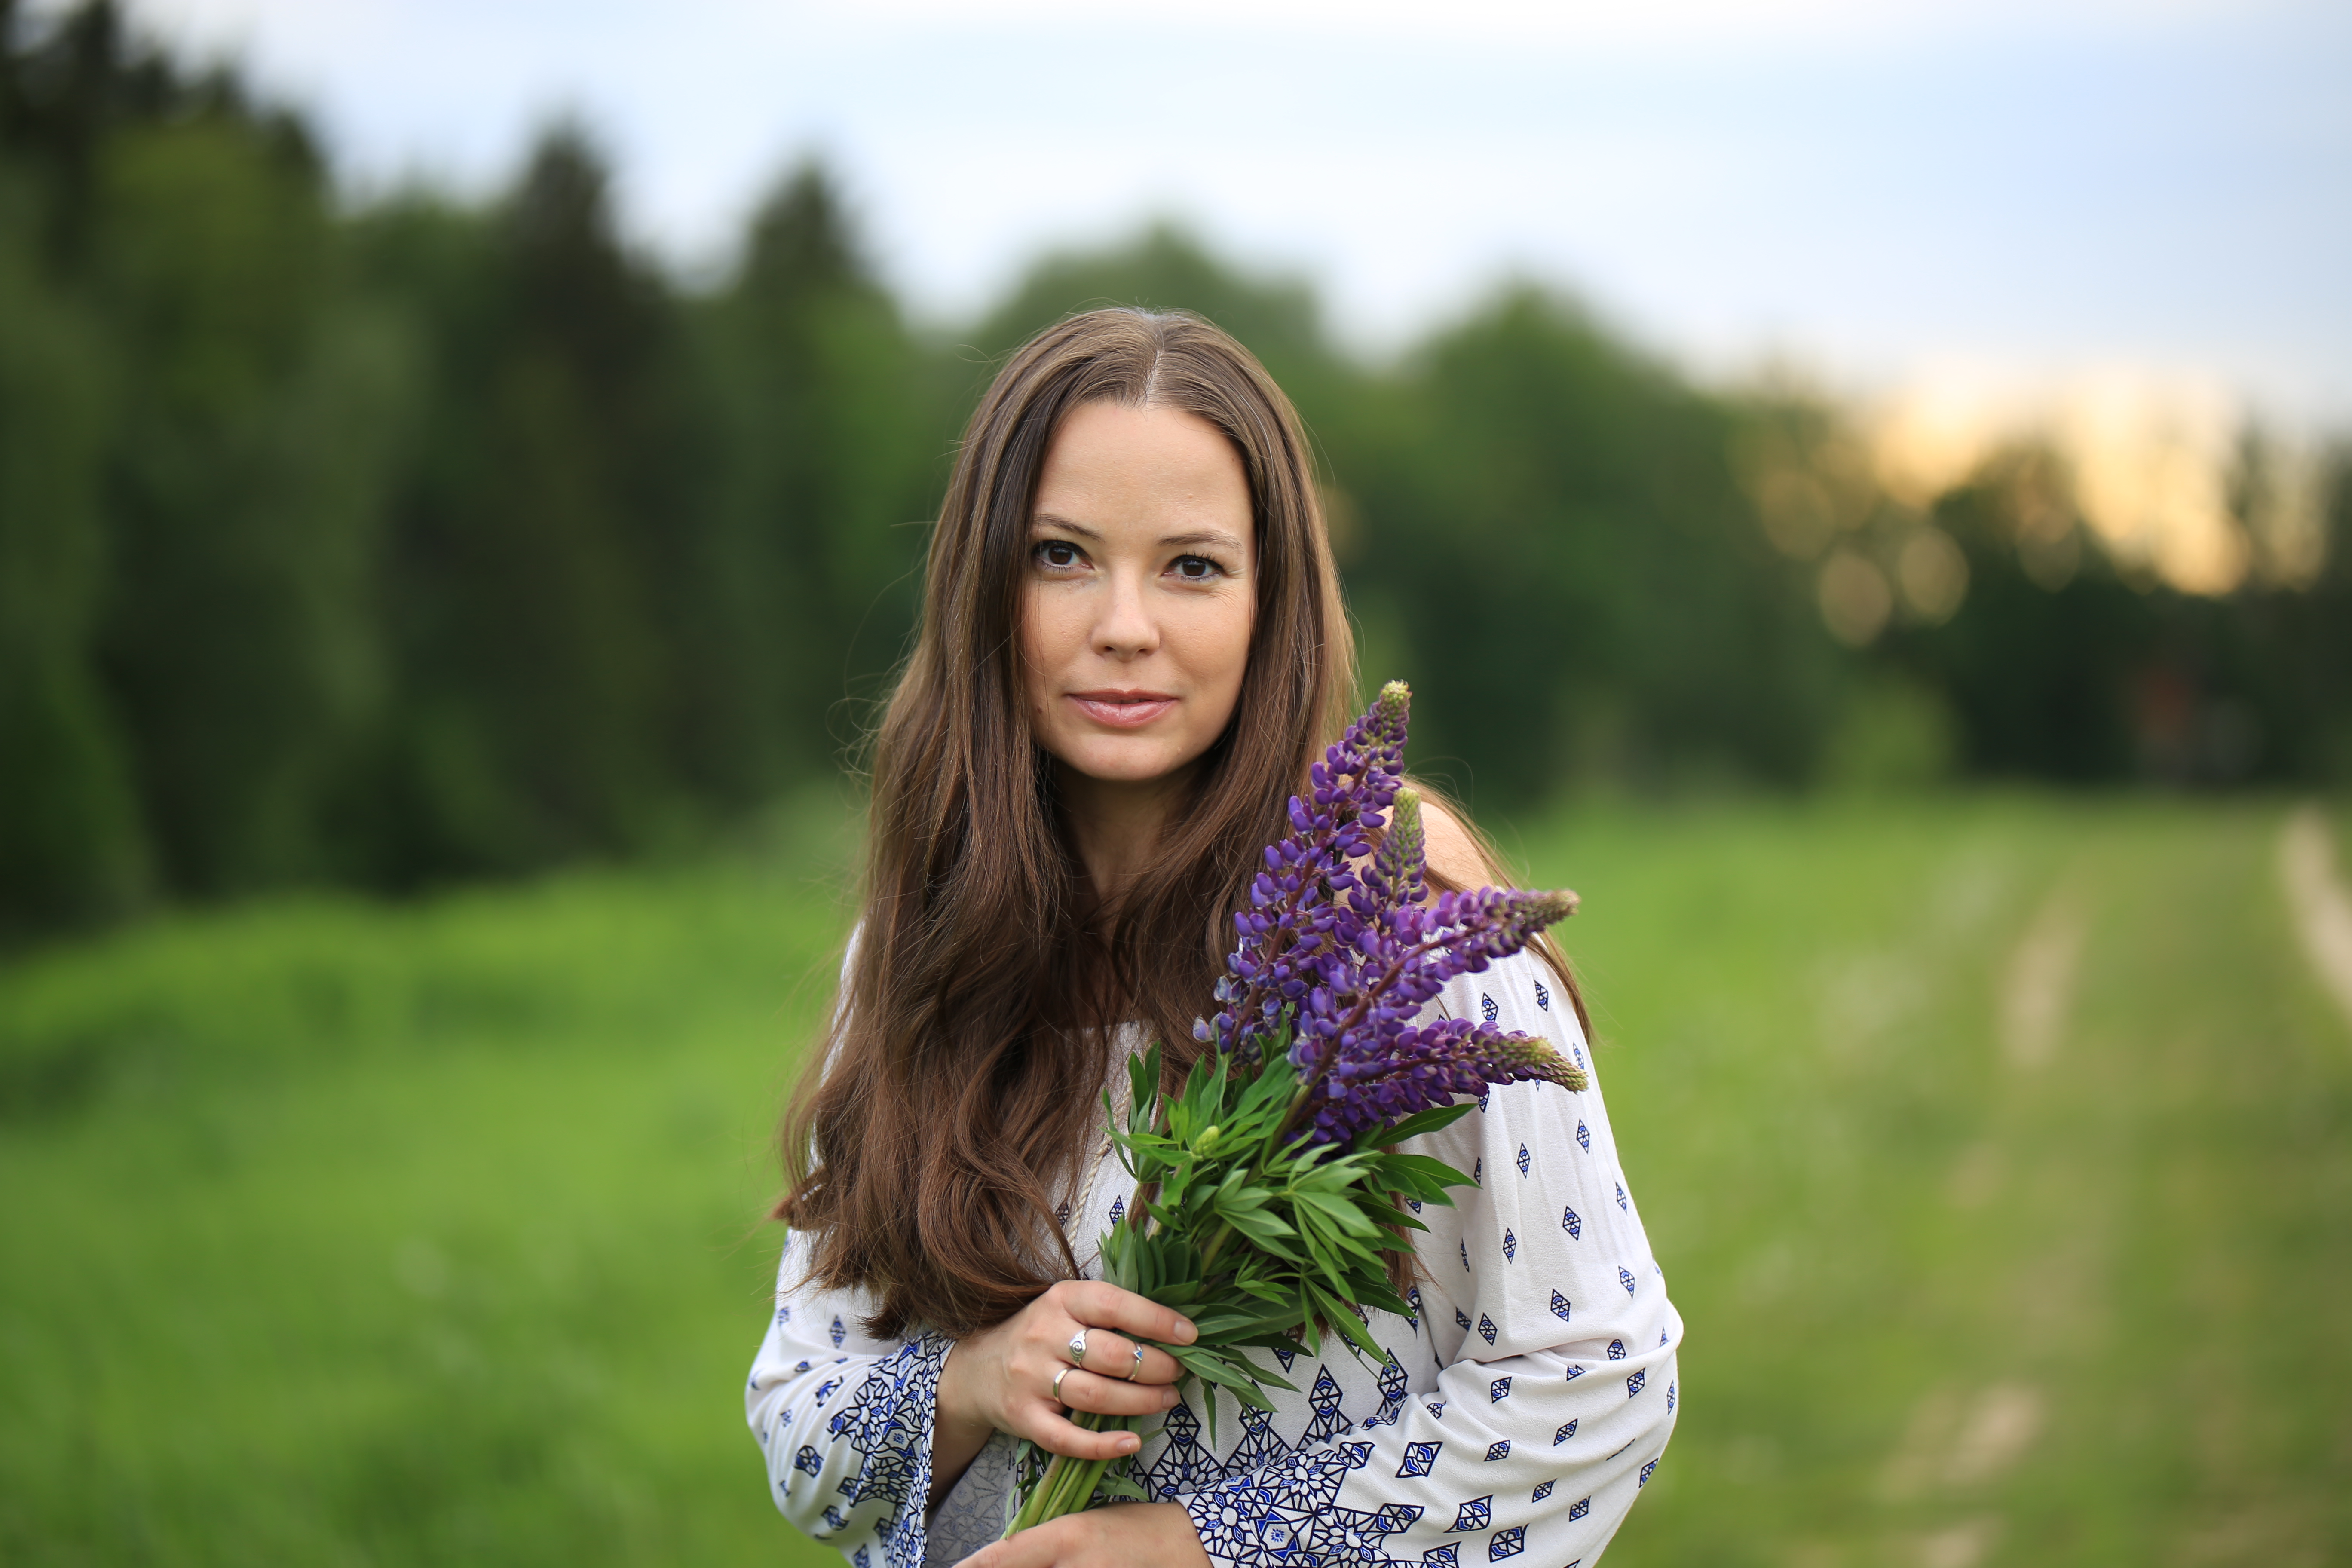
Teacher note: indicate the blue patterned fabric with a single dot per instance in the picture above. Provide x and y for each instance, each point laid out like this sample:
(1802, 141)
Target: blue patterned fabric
(1474, 1439)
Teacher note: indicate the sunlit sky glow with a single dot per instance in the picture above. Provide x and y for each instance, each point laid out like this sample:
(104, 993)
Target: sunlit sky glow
(1997, 207)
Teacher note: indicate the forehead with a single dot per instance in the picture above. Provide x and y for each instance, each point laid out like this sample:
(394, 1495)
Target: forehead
(1115, 469)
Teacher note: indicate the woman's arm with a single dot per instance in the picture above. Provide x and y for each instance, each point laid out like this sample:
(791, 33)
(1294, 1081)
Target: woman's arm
(844, 1420)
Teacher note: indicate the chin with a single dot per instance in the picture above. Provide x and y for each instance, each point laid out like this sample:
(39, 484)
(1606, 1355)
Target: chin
(1127, 764)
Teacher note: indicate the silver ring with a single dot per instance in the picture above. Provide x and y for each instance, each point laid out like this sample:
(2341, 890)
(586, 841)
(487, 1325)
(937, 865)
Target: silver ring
(1077, 1347)
(1138, 1367)
(1057, 1381)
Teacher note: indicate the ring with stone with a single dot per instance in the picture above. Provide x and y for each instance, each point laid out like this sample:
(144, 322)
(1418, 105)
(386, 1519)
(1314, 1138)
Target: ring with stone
(1078, 1348)
(1057, 1381)
(1137, 1365)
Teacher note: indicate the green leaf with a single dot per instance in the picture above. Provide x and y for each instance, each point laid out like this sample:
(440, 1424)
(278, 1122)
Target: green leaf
(1419, 1125)
(1347, 1323)
(1342, 1212)
(1268, 1233)
(1417, 1176)
(1215, 1367)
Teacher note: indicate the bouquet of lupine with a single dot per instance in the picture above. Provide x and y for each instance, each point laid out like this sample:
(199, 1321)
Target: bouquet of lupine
(1268, 1192)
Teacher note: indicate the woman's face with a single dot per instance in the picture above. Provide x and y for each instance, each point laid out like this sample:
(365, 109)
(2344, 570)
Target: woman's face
(1141, 593)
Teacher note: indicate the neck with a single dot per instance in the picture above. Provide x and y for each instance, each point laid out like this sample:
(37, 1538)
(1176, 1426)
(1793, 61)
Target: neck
(1117, 824)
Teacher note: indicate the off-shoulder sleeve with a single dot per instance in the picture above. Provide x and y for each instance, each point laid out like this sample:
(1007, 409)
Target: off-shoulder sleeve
(844, 1421)
(1557, 1384)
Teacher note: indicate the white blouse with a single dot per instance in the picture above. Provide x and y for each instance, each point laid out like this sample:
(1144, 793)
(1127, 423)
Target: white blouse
(1520, 1409)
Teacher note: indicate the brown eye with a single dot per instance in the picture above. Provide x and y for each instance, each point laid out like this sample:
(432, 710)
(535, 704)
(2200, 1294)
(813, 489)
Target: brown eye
(1053, 552)
(1196, 568)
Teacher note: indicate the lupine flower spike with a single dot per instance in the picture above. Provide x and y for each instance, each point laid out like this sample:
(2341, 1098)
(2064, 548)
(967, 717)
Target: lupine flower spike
(1353, 956)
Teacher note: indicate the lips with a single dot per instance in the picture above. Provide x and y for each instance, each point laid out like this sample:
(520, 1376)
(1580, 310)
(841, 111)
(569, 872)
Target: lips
(1123, 709)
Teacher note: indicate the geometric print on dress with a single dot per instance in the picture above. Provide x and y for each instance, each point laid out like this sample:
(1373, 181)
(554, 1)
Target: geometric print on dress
(1260, 1444)
(1506, 1543)
(1184, 1466)
(1289, 1512)
(888, 1426)
(1392, 1386)
(1571, 1223)
(1329, 1421)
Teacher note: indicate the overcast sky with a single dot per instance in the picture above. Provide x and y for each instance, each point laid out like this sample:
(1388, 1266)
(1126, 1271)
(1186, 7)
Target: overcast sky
(1880, 191)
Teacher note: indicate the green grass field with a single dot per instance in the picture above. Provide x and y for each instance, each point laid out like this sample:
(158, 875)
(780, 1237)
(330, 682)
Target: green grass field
(1999, 1152)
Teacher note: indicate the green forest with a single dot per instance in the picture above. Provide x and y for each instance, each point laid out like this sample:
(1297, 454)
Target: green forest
(381, 544)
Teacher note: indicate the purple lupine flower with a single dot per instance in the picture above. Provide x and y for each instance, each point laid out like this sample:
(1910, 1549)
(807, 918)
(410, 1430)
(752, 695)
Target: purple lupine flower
(1346, 957)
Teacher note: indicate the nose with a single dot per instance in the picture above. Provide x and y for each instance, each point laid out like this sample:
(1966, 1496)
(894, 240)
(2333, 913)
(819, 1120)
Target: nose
(1126, 629)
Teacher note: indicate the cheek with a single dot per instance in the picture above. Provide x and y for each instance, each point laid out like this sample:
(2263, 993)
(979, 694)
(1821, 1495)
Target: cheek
(1227, 645)
(1037, 651)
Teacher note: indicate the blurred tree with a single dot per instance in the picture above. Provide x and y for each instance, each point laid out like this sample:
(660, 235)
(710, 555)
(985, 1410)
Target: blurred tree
(830, 458)
(2061, 666)
(246, 479)
(70, 844)
(542, 549)
(2039, 666)
(1557, 554)
(185, 236)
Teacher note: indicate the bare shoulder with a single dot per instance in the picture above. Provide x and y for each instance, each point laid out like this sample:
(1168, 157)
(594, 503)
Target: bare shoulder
(1454, 849)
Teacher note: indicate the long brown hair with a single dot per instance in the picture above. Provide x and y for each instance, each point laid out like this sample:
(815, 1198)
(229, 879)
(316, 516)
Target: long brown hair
(965, 1065)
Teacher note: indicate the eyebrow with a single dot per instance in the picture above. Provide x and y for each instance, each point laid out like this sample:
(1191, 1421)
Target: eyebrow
(1050, 520)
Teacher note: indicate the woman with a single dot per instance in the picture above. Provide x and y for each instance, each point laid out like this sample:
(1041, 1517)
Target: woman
(1132, 647)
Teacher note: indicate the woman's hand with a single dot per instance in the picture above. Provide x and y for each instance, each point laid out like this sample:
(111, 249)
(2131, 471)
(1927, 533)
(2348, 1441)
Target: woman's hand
(1146, 1534)
(1001, 1380)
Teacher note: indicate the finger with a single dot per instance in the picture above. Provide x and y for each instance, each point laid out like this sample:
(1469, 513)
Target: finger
(1112, 1355)
(1114, 1397)
(1044, 1425)
(1102, 1306)
(1042, 1546)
